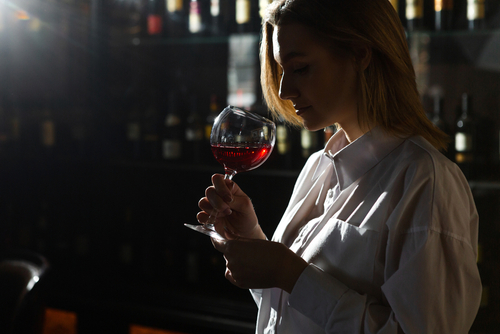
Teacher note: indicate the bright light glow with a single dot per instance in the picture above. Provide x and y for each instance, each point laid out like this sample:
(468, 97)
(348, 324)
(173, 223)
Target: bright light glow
(22, 15)
(32, 282)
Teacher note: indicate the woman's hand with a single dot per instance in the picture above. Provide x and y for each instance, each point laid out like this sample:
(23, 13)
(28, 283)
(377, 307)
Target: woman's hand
(260, 264)
(235, 213)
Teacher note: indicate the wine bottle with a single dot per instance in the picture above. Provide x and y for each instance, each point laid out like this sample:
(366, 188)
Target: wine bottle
(308, 142)
(437, 115)
(48, 130)
(133, 133)
(283, 144)
(476, 14)
(216, 22)
(443, 14)
(195, 20)
(213, 112)
(414, 14)
(150, 135)
(465, 133)
(154, 18)
(172, 130)
(246, 16)
(437, 119)
(176, 24)
(4, 129)
(194, 133)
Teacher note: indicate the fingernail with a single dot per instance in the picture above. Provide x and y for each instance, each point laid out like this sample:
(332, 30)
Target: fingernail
(228, 211)
(228, 199)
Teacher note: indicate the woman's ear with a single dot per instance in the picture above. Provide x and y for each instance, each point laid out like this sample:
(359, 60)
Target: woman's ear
(363, 57)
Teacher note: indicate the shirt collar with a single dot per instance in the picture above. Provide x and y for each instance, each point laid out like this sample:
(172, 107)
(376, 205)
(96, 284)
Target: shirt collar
(353, 160)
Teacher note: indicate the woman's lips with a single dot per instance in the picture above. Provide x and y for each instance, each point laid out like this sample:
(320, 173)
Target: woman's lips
(299, 111)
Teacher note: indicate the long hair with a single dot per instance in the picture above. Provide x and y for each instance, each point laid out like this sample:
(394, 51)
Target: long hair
(387, 90)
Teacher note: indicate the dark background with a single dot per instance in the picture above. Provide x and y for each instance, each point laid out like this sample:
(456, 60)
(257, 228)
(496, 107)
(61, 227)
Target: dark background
(108, 212)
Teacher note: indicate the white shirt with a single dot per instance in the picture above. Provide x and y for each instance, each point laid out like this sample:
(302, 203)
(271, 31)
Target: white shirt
(389, 229)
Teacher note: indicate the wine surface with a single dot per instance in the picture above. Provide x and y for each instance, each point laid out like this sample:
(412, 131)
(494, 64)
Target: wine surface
(241, 157)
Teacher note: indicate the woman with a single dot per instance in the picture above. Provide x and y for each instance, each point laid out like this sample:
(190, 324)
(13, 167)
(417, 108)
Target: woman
(380, 234)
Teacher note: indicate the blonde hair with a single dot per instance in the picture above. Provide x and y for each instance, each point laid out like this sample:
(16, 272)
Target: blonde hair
(388, 95)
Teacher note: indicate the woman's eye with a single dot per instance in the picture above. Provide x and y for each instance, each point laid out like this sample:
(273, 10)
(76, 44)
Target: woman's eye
(300, 69)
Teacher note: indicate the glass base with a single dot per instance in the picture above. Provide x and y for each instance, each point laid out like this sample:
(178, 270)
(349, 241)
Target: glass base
(206, 231)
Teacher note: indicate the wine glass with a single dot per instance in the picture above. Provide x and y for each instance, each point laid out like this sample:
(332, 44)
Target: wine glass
(240, 141)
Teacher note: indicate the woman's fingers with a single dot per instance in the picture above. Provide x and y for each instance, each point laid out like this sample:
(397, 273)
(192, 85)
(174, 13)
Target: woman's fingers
(223, 187)
(216, 202)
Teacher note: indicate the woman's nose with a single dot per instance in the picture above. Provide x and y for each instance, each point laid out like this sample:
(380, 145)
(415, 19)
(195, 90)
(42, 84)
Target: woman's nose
(287, 88)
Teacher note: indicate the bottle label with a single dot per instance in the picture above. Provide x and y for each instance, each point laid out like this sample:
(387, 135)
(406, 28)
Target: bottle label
(48, 133)
(133, 131)
(174, 6)
(463, 142)
(242, 11)
(475, 9)
(414, 9)
(440, 5)
(194, 17)
(215, 8)
(171, 149)
(154, 24)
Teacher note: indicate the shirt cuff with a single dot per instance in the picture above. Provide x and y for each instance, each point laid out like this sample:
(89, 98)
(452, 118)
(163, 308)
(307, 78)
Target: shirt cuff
(316, 294)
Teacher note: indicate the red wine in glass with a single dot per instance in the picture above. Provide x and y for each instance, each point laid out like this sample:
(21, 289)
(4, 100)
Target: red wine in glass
(241, 157)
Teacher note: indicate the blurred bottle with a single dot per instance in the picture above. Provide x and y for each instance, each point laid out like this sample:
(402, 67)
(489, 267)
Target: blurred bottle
(125, 18)
(172, 130)
(308, 142)
(79, 130)
(133, 133)
(443, 14)
(222, 17)
(476, 14)
(176, 18)
(48, 129)
(126, 242)
(437, 119)
(414, 14)
(199, 17)
(194, 133)
(213, 112)
(247, 16)
(4, 130)
(465, 135)
(150, 132)
(154, 18)
(437, 115)
(283, 145)
(215, 18)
